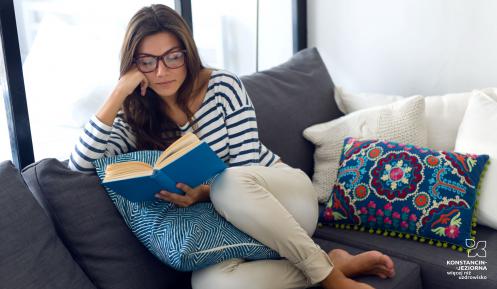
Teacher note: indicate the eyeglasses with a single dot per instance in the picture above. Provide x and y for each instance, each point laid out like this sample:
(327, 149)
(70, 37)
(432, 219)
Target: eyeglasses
(149, 63)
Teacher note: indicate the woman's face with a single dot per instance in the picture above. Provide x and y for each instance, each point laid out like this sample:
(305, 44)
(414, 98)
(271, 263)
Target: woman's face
(163, 80)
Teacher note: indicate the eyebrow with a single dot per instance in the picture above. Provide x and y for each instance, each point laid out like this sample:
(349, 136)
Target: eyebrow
(169, 50)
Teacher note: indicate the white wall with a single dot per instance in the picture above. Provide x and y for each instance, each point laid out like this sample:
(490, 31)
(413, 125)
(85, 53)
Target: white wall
(406, 47)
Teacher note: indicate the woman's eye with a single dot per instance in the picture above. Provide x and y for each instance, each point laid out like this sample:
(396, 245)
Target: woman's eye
(174, 56)
(145, 62)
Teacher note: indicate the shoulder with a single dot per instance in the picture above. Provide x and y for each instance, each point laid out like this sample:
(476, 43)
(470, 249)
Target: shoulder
(228, 88)
(221, 77)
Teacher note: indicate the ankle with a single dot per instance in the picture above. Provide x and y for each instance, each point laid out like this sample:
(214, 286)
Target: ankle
(334, 279)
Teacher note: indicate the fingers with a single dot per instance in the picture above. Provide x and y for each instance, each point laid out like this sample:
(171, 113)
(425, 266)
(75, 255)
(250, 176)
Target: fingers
(143, 86)
(179, 200)
(184, 187)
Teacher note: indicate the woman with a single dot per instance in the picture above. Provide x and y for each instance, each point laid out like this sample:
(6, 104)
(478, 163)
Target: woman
(165, 91)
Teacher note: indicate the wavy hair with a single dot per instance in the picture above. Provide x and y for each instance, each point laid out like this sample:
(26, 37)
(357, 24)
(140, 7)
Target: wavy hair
(146, 115)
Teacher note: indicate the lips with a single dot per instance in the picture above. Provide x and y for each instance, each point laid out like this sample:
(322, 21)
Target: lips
(165, 82)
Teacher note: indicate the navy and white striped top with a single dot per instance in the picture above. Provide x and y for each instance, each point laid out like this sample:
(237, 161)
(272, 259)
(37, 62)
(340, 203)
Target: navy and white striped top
(226, 121)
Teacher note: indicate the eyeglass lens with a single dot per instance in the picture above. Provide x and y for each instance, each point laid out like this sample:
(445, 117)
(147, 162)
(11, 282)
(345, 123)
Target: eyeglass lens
(171, 60)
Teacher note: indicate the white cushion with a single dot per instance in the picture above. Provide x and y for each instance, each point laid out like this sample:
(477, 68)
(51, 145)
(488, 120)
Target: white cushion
(444, 113)
(478, 135)
(402, 121)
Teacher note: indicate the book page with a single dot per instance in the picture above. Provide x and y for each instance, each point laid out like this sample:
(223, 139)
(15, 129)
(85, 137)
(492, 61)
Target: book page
(184, 141)
(176, 155)
(127, 170)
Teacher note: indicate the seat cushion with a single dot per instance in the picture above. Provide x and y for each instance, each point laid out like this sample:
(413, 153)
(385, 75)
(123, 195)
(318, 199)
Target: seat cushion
(94, 232)
(438, 265)
(407, 274)
(289, 98)
(31, 254)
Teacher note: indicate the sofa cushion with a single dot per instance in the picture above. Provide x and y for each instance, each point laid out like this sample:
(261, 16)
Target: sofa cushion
(444, 113)
(31, 254)
(187, 239)
(94, 232)
(287, 99)
(478, 134)
(437, 266)
(407, 274)
(407, 190)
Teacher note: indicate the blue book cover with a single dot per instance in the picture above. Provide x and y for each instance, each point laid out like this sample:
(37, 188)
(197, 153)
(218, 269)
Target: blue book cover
(192, 166)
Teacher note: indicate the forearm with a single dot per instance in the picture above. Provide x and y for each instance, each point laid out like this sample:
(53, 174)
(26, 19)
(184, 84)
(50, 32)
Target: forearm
(108, 111)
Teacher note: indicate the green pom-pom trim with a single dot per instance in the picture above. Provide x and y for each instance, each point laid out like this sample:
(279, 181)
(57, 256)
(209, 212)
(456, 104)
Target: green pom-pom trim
(431, 242)
(385, 233)
(454, 247)
(378, 231)
(342, 226)
(393, 234)
(408, 236)
(337, 226)
(400, 235)
(347, 227)
(362, 229)
(415, 238)
(460, 249)
(422, 240)
(439, 244)
(445, 245)
(356, 227)
(371, 231)
(474, 219)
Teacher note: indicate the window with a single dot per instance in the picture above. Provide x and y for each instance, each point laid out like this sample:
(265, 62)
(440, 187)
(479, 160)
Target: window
(243, 36)
(70, 56)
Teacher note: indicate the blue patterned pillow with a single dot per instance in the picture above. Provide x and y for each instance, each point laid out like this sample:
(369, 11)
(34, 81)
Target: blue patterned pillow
(408, 191)
(187, 239)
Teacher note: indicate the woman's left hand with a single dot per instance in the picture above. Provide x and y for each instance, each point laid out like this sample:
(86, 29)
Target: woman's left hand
(191, 196)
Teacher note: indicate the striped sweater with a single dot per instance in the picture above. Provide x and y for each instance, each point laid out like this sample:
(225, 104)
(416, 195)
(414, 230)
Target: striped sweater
(226, 122)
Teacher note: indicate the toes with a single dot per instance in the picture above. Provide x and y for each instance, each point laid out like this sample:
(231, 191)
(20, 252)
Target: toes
(387, 261)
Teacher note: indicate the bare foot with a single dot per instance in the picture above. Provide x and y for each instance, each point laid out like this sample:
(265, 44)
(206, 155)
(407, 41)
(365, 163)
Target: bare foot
(337, 280)
(366, 263)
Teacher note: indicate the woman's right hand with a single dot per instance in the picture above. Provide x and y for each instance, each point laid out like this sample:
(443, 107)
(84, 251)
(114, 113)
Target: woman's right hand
(130, 80)
(125, 86)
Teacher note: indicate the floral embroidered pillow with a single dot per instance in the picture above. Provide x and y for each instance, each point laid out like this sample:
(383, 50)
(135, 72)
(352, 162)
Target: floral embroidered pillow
(405, 190)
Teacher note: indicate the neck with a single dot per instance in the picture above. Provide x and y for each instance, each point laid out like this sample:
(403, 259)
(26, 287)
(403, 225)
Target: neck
(169, 101)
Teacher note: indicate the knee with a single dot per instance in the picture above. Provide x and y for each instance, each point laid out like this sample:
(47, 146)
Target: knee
(228, 186)
(213, 278)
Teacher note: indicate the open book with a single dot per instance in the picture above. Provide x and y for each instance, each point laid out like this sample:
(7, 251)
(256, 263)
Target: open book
(188, 160)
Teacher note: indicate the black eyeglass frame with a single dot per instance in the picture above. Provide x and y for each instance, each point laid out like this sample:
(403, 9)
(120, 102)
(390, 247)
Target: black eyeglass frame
(160, 58)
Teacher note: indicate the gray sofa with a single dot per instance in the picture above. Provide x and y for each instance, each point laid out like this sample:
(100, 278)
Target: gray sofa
(60, 230)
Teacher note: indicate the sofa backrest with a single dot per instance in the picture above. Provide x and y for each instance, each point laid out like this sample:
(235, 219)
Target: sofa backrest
(289, 98)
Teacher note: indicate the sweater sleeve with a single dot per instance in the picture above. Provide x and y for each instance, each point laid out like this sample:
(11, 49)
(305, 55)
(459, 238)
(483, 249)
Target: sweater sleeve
(245, 148)
(99, 140)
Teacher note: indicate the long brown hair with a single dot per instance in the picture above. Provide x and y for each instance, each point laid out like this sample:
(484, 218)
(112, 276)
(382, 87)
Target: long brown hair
(146, 115)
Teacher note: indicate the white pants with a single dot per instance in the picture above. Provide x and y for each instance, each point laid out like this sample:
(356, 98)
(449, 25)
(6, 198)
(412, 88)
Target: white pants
(278, 207)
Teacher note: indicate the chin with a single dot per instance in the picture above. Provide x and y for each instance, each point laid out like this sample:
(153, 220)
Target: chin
(165, 93)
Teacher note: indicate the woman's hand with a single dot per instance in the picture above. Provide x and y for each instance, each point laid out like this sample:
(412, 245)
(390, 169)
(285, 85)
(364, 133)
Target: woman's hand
(192, 196)
(126, 85)
(130, 80)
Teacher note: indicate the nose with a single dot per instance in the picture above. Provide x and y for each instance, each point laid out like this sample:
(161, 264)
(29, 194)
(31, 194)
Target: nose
(161, 69)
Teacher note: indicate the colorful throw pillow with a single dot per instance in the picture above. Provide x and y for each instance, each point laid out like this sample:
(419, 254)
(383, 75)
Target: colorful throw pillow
(188, 238)
(405, 190)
